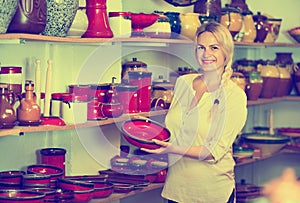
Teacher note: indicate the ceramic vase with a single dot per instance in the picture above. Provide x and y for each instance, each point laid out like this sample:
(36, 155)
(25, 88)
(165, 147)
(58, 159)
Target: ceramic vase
(7, 11)
(249, 30)
(261, 25)
(285, 82)
(175, 23)
(210, 8)
(189, 24)
(60, 16)
(232, 19)
(30, 17)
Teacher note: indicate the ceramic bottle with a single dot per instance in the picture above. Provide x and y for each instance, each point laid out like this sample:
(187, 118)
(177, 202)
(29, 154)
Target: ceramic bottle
(7, 113)
(28, 110)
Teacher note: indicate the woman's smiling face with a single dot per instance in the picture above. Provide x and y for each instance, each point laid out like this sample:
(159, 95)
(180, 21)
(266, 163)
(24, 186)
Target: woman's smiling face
(209, 53)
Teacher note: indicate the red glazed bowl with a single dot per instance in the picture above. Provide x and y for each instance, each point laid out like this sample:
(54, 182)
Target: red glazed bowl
(74, 185)
(83, 196)
(11, 177)
(102, 189)
(17, 196)
(49, 192)
(54, 172)
(36, 181)
(140, 132)
(141, 20)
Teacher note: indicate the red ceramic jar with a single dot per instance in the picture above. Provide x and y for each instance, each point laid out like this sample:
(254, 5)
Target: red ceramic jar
(54, 157)
(79, 90)
(143, 81)
(99, 91)
(12, 76)
(128, 97)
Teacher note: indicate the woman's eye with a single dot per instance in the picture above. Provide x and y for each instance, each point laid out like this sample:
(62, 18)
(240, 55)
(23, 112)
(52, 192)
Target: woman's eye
(214, 47)
(200, 48)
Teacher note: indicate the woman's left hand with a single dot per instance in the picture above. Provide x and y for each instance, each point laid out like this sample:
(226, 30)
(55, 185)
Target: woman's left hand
(165, 147)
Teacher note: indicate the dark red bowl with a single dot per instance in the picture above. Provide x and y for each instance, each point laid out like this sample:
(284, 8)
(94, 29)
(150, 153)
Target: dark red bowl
(49, 192)
(11, 177)
(36, 180)
(83, 196)
(140, 132)
(74, 185)
(102, 189)
(17, 196)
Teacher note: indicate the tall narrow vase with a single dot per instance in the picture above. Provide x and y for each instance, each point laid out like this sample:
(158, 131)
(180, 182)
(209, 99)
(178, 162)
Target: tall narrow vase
(98, 26)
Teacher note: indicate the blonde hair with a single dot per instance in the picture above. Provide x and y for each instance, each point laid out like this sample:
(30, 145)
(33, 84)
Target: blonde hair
(225, 40)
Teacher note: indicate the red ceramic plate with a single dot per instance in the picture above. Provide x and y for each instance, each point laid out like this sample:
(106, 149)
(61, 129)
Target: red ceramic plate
(140, 132)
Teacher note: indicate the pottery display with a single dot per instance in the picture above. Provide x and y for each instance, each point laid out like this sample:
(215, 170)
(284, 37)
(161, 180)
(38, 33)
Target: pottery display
(28, 112)
(60, 16)
(270, 75)
(98, 24)
(30, 17)
(209, 8)
(189, 24)
(239, 79)
(249, 30)
(232, 19)
(120, 23)
(262, 27)
(284, 58)
(133, 65)
(8, 116)
(129, 96)
(7, 11)
(175, 23)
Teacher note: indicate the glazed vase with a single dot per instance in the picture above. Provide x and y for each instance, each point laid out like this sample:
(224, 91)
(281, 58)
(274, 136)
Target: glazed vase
(232, 19)
(98, 24)
(60, 16)
(249, 30)
(189, 24)
(79, 24)
(175, 23)
(7, 11)
(30, 17)
(261, 25)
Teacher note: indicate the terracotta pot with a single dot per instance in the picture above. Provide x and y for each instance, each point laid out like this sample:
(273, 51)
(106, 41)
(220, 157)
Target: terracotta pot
(285, 83)
(232, 19)
(239, 79)
(249, 30)
(130, 66)
(254, 85)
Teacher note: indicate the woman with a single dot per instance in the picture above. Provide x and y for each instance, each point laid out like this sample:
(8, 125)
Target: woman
(207, 112)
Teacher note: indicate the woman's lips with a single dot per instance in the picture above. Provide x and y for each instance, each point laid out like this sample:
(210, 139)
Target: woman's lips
(207, 61)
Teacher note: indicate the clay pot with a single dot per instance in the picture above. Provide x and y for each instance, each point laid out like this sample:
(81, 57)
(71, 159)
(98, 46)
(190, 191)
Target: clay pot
(210, 8)
(249, 30)
(254, 85)
(232, 19)
(239, 79)
(30, 17)
(271, 78)
(189, 24)
(8, 116)
(273, 29)
(284, 58)
(130, 66)
(262, 27)
(285, 83)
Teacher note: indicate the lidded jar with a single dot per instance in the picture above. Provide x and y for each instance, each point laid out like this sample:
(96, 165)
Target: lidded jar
(99, 91)
(129, 97)
(133, 65)
(54, 157)
(8, 116)
(12, 76)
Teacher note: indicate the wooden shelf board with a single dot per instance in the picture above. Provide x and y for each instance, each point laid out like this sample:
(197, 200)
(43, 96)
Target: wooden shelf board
(19, 130)
(117, 196)
(272, 100)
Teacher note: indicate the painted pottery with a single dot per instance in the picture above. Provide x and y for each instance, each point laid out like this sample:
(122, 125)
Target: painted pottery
(285, 83)
(254, 85)
(30, 17)
(160, 29)
(240, 4)
(133, 65)
(270, 75)
(284, 58)
(7, 11)
(175, 23)
(239, 79)
(273, 29)
(98, 26)
(8, 116)
(139, 21)
(60, 16)
(209, 8)
(232, 19)
(249, 30)
(189, 24)
(262, 27)
(129, 96)
(28, 111)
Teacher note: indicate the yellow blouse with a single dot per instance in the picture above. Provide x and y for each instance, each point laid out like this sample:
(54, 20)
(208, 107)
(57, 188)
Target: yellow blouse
(214, 122)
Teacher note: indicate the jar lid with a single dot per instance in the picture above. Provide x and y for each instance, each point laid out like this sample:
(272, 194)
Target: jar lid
(79, 86)
(117, 14)
(53, 151)
(139, 74)
(10, 70)
(134, 64)
(105, 86)
(126, 88)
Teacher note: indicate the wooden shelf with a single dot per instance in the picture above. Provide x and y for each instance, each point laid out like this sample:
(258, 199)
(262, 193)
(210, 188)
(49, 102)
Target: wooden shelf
(21, 38)
(286, 150)
(117, 196)
(272, 100)
(20, 130)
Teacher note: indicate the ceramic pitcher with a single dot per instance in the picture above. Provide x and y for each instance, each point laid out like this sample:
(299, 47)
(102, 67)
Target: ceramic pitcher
(189, 24)
(249, 30)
